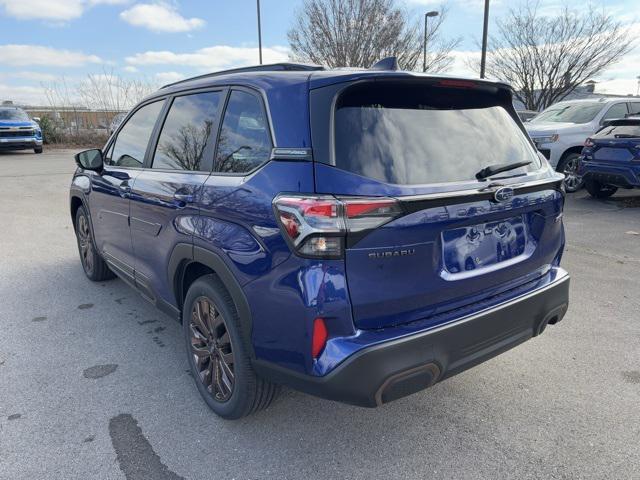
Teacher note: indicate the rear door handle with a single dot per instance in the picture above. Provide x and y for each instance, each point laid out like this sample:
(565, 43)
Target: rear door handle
(183, 197)
(125, 190)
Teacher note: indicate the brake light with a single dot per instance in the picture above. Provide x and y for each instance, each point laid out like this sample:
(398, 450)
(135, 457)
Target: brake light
(317, 225)
(456, 83)
(589, 143)
(319, 338)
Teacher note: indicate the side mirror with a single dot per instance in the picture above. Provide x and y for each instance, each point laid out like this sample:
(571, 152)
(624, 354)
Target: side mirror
(36, 119)
(90, 160)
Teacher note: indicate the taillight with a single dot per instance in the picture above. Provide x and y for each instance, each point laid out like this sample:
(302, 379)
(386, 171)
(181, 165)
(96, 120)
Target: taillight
(588, 143)
(456, 83)
(317, 225)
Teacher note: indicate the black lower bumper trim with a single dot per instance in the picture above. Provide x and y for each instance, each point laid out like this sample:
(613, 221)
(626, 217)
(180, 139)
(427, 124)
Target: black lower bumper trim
(400, 367)
(614, 179)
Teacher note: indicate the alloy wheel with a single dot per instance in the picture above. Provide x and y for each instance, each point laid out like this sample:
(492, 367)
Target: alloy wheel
(85, 243)
(572, 181)
(211, 349)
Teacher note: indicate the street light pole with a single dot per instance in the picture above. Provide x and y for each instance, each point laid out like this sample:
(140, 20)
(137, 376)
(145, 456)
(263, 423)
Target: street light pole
(485, 28)
(259, 33)
(433, 13)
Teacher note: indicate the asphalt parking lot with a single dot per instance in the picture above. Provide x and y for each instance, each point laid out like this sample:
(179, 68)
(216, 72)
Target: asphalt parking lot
(94, 382)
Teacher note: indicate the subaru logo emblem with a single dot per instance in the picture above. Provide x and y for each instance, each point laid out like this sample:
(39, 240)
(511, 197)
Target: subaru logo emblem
(503, 194)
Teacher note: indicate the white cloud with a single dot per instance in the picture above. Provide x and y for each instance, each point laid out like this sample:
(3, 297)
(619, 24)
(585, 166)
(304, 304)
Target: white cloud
(168, 77)
(160, 17)
(211, 58)
(30, 76)
(475, 4)
(43, 9)
(22, 94)
(21, 55)
(130, 69)
(53, 10)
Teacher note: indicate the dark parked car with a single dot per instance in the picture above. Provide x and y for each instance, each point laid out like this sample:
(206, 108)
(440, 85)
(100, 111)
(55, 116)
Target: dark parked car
(358, 235)
(611, 158)
(18, 131)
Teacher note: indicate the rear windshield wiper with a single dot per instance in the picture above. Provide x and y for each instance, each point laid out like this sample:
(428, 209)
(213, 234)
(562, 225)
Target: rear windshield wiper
(499, 168)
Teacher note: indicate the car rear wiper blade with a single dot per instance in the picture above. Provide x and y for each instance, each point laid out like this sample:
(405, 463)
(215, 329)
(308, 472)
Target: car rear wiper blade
(499, 168)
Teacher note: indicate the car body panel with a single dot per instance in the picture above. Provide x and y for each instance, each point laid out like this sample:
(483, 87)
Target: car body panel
(612, 161)
(19, 135)
(278, 294)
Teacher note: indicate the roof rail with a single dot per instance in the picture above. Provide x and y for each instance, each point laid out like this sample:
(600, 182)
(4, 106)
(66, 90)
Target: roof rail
(273, 67)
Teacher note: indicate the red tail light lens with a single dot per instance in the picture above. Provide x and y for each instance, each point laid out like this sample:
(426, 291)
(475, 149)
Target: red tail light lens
(457, 83)
(316, 225)
(319, 339)
(364, 214)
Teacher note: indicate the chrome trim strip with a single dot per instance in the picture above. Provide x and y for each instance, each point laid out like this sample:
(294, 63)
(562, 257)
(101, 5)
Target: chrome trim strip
(482, 191)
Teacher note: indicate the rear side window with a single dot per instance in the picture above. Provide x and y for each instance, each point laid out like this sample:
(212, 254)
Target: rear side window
(186, 133)
(629, 130)
(244, 141)
(618, 110)
(133, 138)
(414, 134)
(634, 108)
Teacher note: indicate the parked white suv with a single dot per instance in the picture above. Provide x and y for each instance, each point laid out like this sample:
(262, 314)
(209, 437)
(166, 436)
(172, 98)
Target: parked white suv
(560, 131)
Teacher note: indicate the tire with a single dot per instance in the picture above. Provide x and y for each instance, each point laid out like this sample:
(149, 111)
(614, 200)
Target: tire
(600, 190)
(37, 149)
(217, 352)
(569, 166)
(95, 268)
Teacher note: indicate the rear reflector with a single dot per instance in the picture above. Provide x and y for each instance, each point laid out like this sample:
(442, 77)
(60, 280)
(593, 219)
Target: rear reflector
(319, 337)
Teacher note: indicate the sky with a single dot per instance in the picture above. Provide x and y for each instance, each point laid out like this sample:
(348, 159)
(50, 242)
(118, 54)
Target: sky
(42, 41)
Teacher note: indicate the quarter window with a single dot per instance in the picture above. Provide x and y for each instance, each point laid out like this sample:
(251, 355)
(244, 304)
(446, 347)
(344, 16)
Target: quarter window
(186, 133)
(133, 138)
(634, 108)
(619, 110)
(244, 141)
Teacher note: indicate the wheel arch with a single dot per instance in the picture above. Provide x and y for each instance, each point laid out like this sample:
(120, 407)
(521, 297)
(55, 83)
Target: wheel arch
(576, 149)
(75, 203)
(188, 263)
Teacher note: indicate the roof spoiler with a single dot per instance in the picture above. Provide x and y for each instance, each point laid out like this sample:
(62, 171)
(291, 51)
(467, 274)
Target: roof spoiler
(389, 63)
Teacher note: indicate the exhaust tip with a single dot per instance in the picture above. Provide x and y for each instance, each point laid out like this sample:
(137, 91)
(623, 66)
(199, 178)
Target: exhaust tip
(407, 382)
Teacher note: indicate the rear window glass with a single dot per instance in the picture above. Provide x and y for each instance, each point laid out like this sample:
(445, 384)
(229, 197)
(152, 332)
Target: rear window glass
(412, 134)
(620, 131)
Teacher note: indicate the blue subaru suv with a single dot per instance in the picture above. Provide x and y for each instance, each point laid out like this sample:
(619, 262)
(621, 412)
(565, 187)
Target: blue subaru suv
(611, 158)
(354, 234)
(18, 131)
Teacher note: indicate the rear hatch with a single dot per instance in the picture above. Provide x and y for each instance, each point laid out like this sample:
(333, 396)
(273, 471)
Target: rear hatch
(618, 143)
(455, 240)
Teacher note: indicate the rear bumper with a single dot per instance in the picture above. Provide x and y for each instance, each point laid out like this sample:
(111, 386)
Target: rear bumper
(621, 176)
(394, 369)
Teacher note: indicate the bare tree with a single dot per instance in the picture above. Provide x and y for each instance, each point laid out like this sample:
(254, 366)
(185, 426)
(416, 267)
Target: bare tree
(357, 33)
(109, 92)
(63, 100)
(546, 58)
